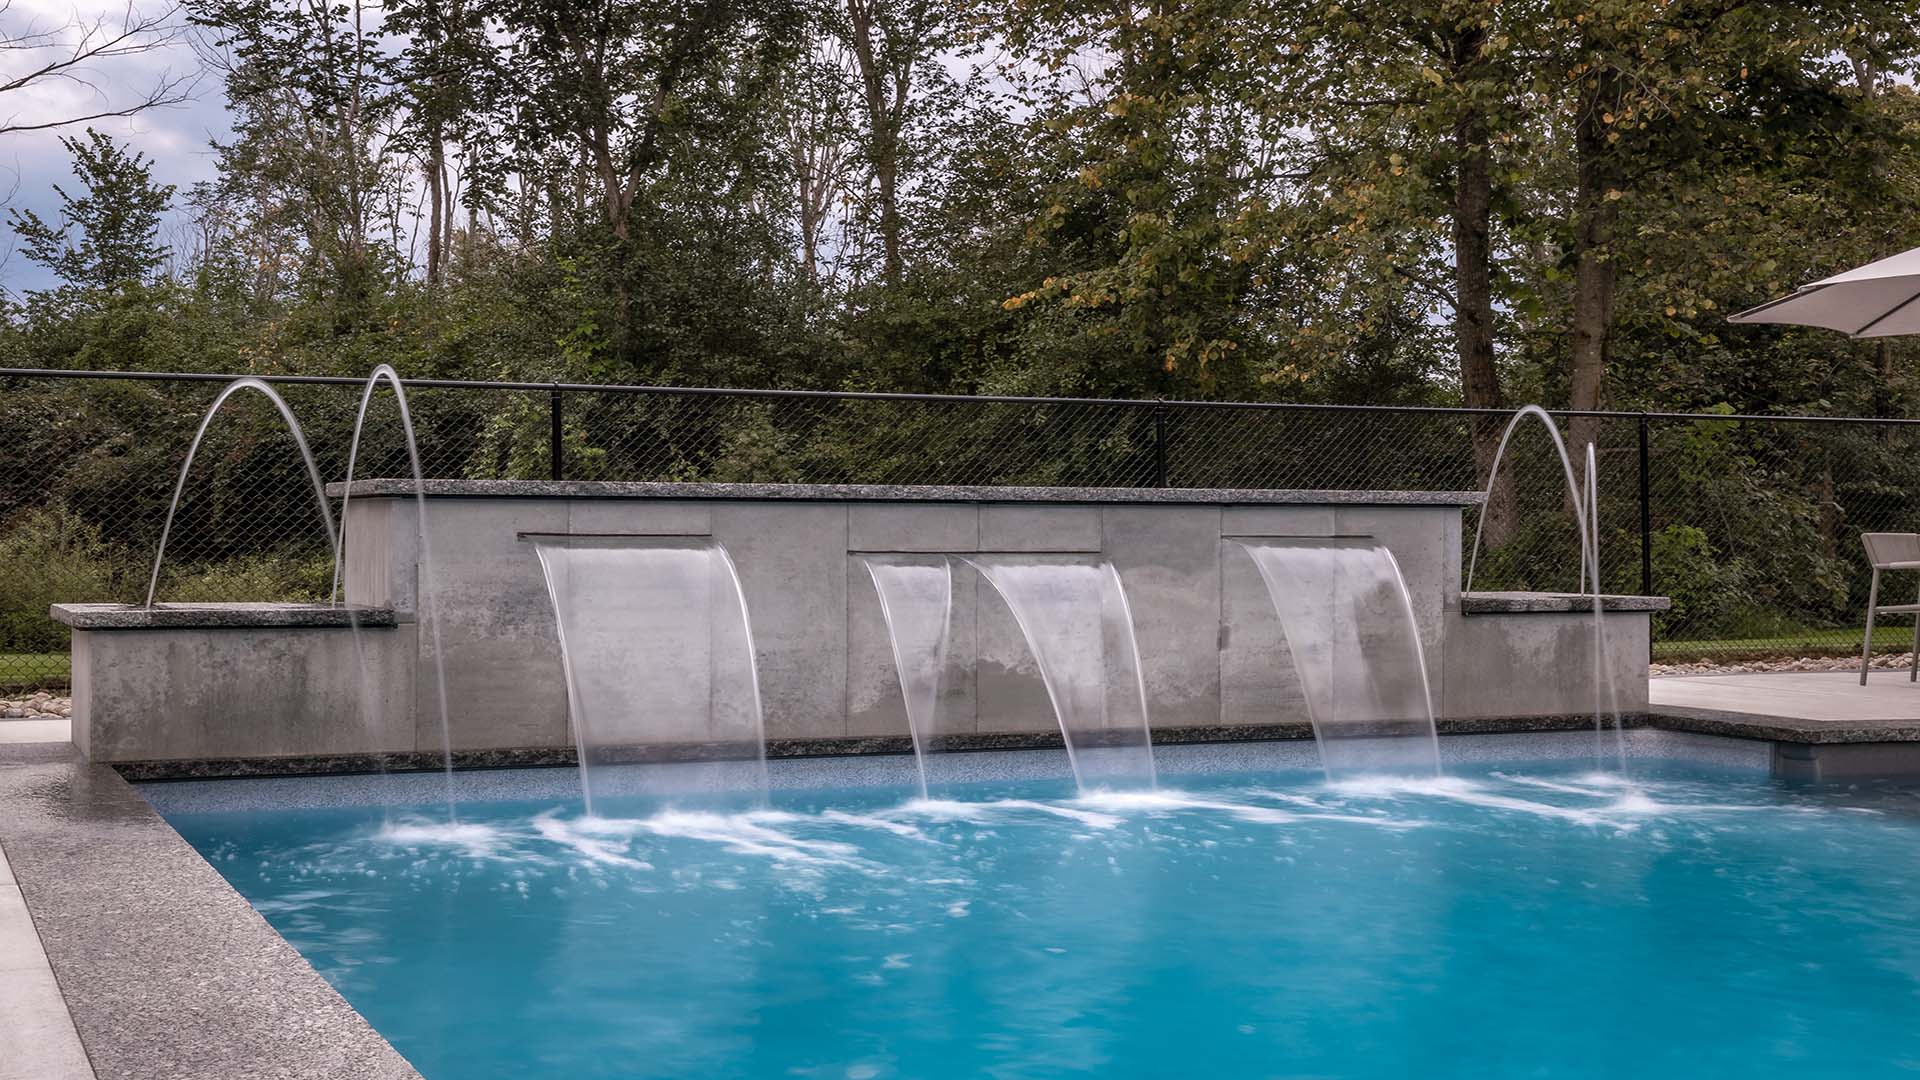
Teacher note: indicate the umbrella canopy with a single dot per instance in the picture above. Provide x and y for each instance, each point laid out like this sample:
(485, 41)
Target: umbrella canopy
(1880, 299)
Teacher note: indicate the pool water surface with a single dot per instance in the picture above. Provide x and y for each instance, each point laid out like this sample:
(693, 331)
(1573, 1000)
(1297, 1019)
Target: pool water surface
(1520, 920)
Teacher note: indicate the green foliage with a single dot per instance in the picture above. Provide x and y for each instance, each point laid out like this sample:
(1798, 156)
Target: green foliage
(52, 555)
(282, 576)
(1706, 593)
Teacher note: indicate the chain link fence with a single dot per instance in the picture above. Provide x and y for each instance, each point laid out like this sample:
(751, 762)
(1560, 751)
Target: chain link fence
(1750, 524)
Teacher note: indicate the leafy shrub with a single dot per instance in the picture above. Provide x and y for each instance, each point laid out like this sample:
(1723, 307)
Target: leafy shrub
(1706, 593)
(285, 576)
(51, 555)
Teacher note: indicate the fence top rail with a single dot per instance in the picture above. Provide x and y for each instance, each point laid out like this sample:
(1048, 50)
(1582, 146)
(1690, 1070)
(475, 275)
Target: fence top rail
(968, 399)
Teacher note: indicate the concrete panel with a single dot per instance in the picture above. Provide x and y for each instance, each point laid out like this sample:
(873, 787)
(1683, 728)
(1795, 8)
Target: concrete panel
(922, 527)
(793, 570)
(1539, 664)
(502, 650)
(1258, 684)
(1008, 690)
(1426, 544)
(381, 557)
(1169, 561)
(650, 517)
(1015, 527)
(874, 702)
(1277, 521)
(269, 692)
(1841, 762)
(80, 673)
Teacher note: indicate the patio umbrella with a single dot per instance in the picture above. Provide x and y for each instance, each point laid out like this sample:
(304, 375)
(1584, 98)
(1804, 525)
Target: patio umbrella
(1880, 299)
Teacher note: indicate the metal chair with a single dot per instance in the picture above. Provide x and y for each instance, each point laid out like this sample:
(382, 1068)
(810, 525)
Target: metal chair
(1890, 551)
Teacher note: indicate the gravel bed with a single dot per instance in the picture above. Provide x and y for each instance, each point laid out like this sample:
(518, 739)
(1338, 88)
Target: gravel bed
(37, 706)
(1802, 663)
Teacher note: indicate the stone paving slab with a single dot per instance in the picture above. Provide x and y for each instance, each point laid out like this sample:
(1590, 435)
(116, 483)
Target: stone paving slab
(1888, 705)
(55, 729)
(168, 973)
(35, 1028)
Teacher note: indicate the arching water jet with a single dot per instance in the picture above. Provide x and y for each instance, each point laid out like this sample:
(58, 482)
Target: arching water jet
(427, 588)
(1586, 524)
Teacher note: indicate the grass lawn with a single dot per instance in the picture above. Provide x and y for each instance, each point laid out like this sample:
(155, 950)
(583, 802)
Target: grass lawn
(34, 671)
(1788, 642)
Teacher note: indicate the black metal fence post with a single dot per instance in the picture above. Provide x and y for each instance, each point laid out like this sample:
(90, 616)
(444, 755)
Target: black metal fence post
(1159, 445)
(556, 428)
(1646, 512)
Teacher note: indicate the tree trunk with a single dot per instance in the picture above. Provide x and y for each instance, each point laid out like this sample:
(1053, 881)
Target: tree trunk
(883, 130)
(436, 182)
(1473, 299)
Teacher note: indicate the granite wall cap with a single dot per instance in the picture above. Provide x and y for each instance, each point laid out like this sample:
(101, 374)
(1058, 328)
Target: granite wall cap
(220, 616)
(1538, 603)
(605, 489)
(1785, 729)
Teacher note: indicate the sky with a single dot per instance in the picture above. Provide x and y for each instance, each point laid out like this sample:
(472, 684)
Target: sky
(175, 138)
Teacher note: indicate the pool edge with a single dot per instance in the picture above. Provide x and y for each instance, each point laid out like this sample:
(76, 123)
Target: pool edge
(165, 969)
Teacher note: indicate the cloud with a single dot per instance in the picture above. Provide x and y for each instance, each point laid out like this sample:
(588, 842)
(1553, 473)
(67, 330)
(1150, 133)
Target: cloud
(176, 138)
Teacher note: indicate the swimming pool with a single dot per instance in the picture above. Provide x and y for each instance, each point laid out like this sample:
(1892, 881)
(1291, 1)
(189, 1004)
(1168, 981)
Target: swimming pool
(1519, 918)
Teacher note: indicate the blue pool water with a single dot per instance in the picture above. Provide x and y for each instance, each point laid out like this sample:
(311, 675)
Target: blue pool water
(1511, 921)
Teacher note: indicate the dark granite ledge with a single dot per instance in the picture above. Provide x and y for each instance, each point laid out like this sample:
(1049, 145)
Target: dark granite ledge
(1785, 729)
(1537, 603)
(778, 748)
(221, 616)
(602, 489)
(168, 972)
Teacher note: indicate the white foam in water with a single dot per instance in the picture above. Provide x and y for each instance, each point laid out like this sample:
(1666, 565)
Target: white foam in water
(480, 841)
(1165, 800)
(868, 821)
(748, 834)
(1624, 803)
(954, 810)
(1458, 790)
(575, 835)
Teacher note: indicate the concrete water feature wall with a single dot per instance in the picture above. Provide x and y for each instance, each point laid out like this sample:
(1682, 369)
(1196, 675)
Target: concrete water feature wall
(182, 683)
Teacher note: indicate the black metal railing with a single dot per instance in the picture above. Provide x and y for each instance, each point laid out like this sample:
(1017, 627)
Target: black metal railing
(1750, 523)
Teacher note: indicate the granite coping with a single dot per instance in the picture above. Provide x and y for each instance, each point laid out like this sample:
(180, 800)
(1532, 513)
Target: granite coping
(169, 974)
(1542, 603)
(221, 616)
(1783, 729)
(605, 489)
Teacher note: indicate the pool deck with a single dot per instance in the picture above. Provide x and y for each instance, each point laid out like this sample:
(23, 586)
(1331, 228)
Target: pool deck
(125, 956)
(1823, 725)
(1830, 703)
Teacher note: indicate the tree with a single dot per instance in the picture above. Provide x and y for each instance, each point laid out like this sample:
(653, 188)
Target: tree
(1425, 98)
(109, 228)
(313, 156)
(890, 40)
